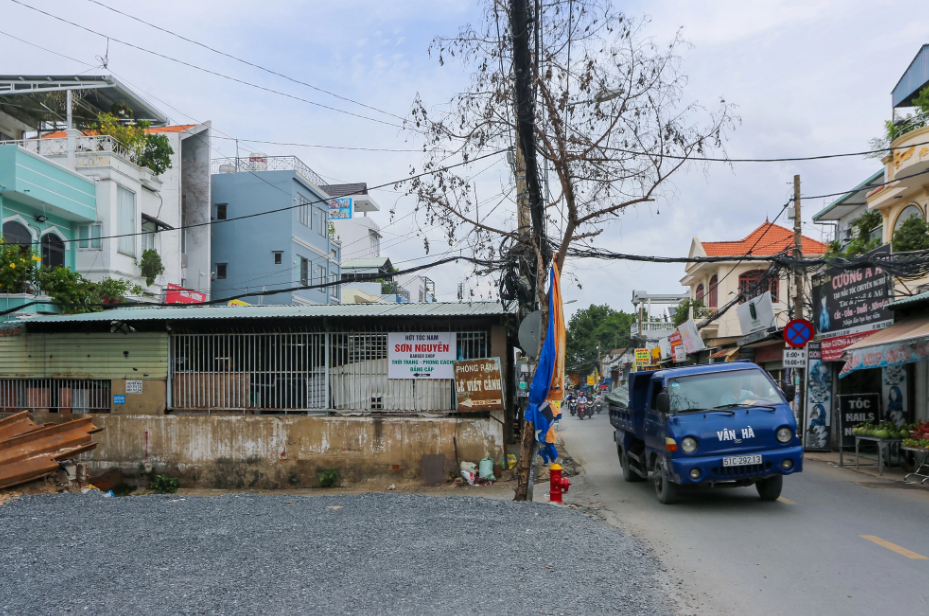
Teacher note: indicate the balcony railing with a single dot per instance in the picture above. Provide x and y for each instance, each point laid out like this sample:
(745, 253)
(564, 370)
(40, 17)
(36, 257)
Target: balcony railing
(267, 163)
(652, 328)
(85, 144)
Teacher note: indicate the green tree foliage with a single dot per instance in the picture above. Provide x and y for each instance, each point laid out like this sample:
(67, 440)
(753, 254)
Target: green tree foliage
(865, 239)
(899, 127)
(75, 294)
(913, 234)
(682, 312)
(152, 151)
(151, 266)
(591, 326)
(18, 267)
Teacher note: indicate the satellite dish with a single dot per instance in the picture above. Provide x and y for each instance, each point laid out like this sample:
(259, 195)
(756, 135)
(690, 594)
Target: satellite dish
(530, 331)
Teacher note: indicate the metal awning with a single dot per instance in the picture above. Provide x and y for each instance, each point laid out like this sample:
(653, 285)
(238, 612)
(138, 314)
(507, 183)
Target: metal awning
(41, 98)
(725, 353)
(157, 222)
(905, 342)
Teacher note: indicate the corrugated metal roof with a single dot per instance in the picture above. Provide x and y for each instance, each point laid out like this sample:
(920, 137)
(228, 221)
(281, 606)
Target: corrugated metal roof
(922, 297)
(446, 309)
(861, 189)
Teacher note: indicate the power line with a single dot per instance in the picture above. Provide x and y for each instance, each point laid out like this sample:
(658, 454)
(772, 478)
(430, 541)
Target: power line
(246, 62)
(202, 69)
(326, 147)
(282, 209)
(759, 160)
(360, 278)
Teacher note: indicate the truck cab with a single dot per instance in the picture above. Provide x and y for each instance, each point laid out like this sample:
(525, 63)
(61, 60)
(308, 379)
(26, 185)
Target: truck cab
(712, 425)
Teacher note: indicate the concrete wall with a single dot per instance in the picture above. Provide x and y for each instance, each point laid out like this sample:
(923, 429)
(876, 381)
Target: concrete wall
(242, 451)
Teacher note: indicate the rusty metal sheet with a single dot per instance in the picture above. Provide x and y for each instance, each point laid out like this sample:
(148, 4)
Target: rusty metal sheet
(479, 385)
(29, 451)
(433, 469)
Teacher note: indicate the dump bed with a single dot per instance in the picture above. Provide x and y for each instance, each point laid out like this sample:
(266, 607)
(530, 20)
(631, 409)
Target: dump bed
(631, 418)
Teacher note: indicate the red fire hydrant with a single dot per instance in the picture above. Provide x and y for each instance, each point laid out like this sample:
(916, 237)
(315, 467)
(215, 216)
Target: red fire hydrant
(559, 484)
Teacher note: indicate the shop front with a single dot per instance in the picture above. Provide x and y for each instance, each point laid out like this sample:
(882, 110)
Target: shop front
(851, 306)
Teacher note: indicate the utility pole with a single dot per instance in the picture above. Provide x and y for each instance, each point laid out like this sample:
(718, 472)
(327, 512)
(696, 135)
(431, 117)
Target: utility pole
(527, 167)
(798, 281)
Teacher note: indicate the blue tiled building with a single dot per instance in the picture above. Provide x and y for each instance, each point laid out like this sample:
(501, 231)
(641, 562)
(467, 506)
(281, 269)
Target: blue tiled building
(287, 249)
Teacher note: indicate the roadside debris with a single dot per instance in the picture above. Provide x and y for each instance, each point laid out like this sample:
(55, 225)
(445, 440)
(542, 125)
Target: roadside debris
(29, 451)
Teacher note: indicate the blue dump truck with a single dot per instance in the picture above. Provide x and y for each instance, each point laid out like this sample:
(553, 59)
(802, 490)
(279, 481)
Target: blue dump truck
(713, 425)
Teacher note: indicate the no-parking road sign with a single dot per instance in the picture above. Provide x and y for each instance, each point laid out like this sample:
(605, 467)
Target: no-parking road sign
(798, 332)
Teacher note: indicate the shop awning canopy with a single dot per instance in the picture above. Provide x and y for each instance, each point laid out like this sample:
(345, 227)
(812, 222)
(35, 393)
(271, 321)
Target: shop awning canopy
(727, 353)
(905, 342)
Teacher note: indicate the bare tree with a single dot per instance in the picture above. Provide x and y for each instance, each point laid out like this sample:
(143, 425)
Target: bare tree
(611, 124)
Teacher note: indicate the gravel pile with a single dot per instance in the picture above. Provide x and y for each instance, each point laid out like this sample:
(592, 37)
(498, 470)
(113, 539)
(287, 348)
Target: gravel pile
(353, 554)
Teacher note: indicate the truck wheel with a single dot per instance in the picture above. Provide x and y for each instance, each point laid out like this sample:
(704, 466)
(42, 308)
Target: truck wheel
(628, 474)
(664, 489)
(770, 489)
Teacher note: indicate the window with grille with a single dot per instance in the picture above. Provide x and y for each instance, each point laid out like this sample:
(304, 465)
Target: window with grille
(306, 215)
(304, 272)
(323, 227)
(53, 251)
(278, 257)
(15, 233)
(221, 271)
(321, 274)
(749, 286)
(221, 211)
(148, 235)
(89, 237)
(126, 224)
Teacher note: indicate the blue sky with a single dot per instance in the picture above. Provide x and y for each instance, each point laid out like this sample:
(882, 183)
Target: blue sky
(808, 77)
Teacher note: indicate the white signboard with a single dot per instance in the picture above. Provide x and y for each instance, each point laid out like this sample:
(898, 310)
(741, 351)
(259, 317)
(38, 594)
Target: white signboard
(133, 387)
(690, 337)
(665, 345)
(756, 314)
(795, 358)
(680, 354)
(426, 355)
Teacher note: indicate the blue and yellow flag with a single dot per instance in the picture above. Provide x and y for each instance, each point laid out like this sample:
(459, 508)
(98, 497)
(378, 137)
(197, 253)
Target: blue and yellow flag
(548, 381)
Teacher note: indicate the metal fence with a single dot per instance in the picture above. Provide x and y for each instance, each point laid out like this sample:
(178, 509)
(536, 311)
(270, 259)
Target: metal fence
(263, 162)
(55, 395)
(300, 372)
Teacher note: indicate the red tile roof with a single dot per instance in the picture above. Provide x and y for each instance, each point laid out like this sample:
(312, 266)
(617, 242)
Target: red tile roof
(157, 129)
(768, 239)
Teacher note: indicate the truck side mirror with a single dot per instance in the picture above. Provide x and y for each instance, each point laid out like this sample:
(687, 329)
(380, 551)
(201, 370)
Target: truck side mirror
(663, 402)
(790, 391)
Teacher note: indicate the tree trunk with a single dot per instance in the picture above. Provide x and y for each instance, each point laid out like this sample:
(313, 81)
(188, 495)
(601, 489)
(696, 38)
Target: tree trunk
(527, 435)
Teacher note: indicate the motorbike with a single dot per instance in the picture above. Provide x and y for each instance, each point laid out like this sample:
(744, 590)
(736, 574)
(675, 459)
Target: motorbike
(598, 406)
(572, 406)
(583, 410)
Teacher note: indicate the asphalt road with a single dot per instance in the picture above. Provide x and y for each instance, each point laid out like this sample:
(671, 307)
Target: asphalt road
(804, 554)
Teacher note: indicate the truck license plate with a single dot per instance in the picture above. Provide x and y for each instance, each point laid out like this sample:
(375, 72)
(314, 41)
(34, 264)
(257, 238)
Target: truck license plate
(741, 460)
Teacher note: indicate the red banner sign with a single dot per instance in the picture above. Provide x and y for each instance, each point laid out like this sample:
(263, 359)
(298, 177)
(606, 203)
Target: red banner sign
(179, 295)
(834, 347)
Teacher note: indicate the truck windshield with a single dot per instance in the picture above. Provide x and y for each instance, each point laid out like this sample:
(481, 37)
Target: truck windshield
(722, 389)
